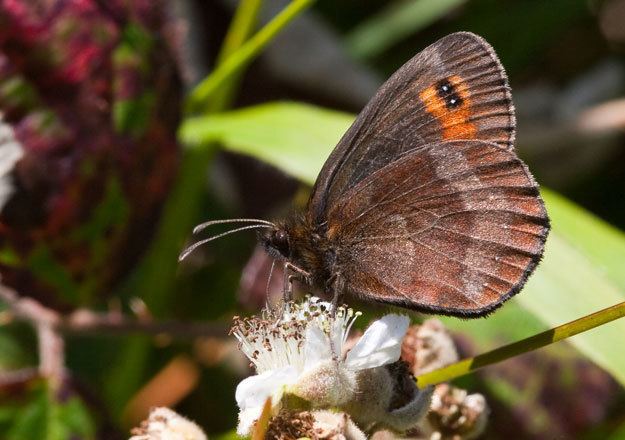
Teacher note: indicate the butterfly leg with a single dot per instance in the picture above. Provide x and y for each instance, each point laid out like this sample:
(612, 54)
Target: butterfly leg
(287, 285)
(337, 292)
(292, 272)
(336, 286)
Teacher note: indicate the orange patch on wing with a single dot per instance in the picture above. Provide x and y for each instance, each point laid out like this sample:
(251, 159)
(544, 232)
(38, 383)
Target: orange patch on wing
(454, 121)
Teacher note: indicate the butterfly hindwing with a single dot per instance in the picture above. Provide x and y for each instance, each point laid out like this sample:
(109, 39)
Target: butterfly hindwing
(454, 228)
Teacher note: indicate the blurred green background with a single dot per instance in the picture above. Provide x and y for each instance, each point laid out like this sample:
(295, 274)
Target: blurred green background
(127, 145)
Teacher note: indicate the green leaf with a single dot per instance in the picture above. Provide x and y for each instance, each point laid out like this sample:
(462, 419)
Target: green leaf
(9, 257)
(394, 23)
(293, 137)
(46, 268)
(132, 114)
(13, 354)
(510, 323)
(44, 416)
(577, 277)
(618, 434)
(580, 274)
(600, 242)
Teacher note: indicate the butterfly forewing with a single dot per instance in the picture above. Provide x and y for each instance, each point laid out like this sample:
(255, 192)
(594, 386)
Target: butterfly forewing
(454, 89)
(424, 200)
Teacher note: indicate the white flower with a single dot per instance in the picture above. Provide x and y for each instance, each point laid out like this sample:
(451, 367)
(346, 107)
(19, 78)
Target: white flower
(10, 152)
(300, 351)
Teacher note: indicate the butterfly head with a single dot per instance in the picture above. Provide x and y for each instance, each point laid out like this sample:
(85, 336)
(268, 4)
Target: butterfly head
(276, 242)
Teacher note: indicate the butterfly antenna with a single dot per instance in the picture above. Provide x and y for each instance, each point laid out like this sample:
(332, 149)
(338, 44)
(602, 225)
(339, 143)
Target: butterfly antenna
(194, 246)
(205, 225)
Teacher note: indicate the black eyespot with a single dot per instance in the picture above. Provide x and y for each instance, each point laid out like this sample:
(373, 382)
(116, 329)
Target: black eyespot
(444, 88)
(447, 92)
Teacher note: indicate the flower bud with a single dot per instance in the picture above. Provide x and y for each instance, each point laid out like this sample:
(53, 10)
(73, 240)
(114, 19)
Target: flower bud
(165, 424)
(387, 396)
(336, 426)
(427, 347)
(319, 425)
(455, 414)
(326, 385)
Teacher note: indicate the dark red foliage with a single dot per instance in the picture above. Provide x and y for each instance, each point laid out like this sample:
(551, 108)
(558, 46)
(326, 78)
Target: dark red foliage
(93, 95)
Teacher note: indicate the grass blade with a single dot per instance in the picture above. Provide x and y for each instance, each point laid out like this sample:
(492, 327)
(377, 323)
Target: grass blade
(535, 342)
(200, 96)
(396, 22)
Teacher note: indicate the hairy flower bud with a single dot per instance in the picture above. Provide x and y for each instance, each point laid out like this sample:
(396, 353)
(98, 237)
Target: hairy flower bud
(388, 397)
(165, 424)
(326, 385)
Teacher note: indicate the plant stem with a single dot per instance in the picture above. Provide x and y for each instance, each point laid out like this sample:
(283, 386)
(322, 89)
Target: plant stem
(241, 27)
(535, 342)
(397, 21)
(244, 55)
(45, 321)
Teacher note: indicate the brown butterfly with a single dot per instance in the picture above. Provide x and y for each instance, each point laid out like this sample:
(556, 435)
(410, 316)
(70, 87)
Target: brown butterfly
(423, 203)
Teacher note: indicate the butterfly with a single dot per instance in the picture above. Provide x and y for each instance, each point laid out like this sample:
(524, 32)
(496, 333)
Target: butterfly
(423, 203)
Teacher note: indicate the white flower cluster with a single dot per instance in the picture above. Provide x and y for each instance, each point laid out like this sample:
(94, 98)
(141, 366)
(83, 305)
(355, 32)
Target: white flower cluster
(300, 351)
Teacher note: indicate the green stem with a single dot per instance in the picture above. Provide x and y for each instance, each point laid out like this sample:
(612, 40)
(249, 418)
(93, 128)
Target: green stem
(397, 21)
(241, 27)
(242, 57)
(535, 342)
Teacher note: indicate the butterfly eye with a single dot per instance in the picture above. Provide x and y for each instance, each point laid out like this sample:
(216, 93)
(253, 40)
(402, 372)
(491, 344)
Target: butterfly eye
(280, 241)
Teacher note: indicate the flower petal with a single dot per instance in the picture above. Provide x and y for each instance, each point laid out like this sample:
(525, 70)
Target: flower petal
(317, 348)
(254, 390)
(380, 344)
(247, 418)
